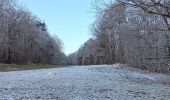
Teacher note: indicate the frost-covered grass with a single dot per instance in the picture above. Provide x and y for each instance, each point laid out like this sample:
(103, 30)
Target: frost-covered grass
(16, 67)
(102, 82)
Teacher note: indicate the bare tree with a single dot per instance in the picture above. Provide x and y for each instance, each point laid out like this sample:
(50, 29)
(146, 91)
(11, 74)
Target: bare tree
(158, 7)
(25, 39)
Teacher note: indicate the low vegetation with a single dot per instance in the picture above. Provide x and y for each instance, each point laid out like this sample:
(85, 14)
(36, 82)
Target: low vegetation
(17, 67)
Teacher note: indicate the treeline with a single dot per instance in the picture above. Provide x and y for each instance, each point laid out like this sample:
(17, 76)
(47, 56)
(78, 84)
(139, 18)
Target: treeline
(134, 32)
(24, 38)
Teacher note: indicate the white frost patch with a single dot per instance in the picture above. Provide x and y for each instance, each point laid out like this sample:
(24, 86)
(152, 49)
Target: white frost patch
(51, 74)
(139, 75)
(117, 66)
(149, 77)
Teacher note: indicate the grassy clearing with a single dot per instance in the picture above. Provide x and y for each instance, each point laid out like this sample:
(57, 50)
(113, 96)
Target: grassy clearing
(16, 67)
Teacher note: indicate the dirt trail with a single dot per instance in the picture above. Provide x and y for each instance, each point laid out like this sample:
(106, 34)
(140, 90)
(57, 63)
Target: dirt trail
(104, 82)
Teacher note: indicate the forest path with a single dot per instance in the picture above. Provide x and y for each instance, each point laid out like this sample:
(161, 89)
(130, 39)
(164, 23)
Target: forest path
(100, 82)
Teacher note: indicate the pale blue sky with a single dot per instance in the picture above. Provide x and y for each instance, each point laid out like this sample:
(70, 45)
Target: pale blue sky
(68, 19)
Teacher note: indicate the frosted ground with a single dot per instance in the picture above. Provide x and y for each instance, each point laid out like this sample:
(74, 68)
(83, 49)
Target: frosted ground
(104, 82)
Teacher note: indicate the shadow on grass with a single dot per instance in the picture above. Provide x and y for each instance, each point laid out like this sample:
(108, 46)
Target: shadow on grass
(17, 67)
